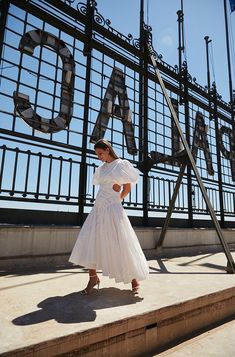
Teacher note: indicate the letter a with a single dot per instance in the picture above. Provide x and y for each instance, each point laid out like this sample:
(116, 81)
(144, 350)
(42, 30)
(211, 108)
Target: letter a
(116, 88)
(200, 141)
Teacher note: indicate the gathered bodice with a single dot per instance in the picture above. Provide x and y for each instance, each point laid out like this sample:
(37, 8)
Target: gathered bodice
(107, 196)
(116, 172)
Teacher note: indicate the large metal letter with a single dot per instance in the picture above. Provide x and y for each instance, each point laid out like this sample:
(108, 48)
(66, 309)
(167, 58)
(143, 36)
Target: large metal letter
(230, 155)
(22, 102)
(176, 144)
(200, 142)
(116, 88)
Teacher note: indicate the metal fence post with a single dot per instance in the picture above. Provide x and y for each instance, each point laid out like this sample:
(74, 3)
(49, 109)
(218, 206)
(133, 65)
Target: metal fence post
(143, 111)
(83, 166)
(218, 155)
(187, 135)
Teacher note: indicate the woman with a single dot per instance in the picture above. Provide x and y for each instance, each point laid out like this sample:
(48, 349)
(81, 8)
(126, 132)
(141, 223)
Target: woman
(107, 240)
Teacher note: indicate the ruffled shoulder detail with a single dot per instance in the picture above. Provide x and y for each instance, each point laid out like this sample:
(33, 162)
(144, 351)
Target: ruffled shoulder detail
(118, 171)
(126, 173)
(96, 176)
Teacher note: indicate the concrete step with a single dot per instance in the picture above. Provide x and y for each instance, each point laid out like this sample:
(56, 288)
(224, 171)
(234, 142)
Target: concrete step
(43, 313)
(216, 342)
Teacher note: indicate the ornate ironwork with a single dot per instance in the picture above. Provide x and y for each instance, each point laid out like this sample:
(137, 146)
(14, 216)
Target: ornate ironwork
(100, 20)
(68, 2)
(82, 8)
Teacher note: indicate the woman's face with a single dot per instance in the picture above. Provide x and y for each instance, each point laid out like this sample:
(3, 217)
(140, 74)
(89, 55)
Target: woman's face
(103, 155)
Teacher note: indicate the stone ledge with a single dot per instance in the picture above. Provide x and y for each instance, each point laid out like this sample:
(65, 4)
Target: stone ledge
(140, 334)
(25, 241)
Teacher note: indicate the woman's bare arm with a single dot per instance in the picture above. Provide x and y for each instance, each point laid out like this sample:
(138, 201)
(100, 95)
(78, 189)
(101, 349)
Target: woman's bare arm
(126, 189)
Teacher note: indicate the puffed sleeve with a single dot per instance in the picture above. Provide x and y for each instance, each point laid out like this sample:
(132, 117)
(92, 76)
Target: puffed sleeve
(127, 173)
(96, 176)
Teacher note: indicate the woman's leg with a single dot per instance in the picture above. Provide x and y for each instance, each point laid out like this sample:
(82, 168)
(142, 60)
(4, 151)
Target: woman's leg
(135, 286)
(94, 280)
(92, 272)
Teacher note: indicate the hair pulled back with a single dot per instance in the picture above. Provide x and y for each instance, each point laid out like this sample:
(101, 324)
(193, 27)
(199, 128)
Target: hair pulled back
(104, 144)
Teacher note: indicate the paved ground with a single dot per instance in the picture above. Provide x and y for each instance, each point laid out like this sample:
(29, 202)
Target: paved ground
(40, 305)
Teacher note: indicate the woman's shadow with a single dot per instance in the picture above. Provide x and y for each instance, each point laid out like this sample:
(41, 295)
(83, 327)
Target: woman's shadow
(75, 308)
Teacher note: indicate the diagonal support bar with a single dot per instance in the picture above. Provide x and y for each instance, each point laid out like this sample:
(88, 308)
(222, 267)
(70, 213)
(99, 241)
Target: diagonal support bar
(231, 264)
(171, 206)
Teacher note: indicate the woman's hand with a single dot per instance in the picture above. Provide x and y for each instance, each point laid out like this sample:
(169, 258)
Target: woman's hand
(116, 187)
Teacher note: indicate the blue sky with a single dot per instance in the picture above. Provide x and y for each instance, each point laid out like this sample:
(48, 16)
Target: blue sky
(202, 17)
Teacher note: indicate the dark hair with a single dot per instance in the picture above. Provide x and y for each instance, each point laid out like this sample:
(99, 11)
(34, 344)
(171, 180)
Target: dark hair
(104, 144)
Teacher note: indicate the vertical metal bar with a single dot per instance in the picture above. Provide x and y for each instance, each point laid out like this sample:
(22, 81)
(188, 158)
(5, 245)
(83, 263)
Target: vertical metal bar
(4, 6)
(19, 73)
(233, 203)
(49, 178)
(68, 128)
(199, 203)
(183, 199)
(182, 10)
(228, 53)
(83, 166)
(112, 116)
(232, 100)
(154, 193)
(146, 182)
(206, 38)
(169, 191)
(55, 82)
(135, 122)
(179, 198)
(164, 193)
(38, 77)
(218, 155)
(70, 179)
(159, 190)
(2, 165)
(143, 112)
(39, 174)
(180, 22)
(15, 171)
(60, 177)
(27, 174)
(187, 133)
(225, 201)
(171, 206)
(141, 81)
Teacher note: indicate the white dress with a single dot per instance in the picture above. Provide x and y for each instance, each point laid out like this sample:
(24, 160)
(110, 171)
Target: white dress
(107, 240)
